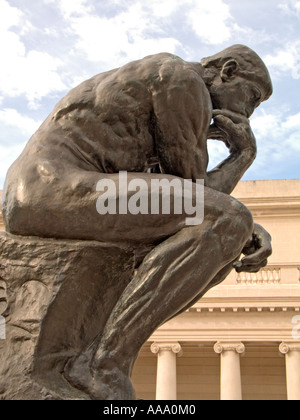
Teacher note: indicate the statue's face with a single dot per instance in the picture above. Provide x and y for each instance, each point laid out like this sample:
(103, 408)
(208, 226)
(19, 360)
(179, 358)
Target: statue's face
(237, 94)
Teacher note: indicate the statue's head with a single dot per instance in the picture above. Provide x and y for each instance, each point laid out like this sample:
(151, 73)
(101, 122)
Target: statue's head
(237, 79)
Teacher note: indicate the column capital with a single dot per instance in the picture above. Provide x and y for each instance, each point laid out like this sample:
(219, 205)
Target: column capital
(238, 347)
(286, 347)
(173, 347)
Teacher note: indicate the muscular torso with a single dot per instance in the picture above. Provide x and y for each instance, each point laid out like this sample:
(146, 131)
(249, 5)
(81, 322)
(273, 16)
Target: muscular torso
(156, 110)
(131, 119)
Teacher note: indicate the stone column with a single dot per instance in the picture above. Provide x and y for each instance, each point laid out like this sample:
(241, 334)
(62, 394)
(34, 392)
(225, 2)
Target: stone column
(231, 382)
(166, 380)
(292, 360)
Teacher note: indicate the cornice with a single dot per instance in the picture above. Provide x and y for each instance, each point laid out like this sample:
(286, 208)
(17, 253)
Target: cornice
(230, 327)
(247, 304)
(273, 206)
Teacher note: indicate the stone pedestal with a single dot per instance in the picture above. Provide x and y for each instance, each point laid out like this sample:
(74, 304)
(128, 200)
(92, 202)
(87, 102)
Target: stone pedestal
(55, 298)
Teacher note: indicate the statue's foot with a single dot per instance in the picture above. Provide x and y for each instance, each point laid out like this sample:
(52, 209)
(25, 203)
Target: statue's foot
(47, 375)
(103, 384)
(56, 387)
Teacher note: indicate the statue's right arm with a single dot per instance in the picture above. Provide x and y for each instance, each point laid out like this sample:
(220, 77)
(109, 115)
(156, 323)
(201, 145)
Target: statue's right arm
(183, 113)
(241, 141)
(182, 106)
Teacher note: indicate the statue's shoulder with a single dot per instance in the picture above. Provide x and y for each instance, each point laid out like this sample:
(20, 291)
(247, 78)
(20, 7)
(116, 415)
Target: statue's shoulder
(163, 57)
(171, 67)
(79, 98)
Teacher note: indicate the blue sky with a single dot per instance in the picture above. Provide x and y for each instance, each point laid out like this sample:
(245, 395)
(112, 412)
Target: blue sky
(49, 46)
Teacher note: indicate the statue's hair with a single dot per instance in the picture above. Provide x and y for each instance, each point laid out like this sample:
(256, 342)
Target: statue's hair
(251, 65)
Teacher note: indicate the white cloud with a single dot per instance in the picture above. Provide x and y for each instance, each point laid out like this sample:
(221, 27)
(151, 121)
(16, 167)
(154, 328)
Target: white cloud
(10, 117)
(290, 7)
(292, 128)
(292, 122)
(30, 73)
(9, 16)
(211, 21)
(285, 60)
(265, 125)
(34, 75)
(8, 154)
(118, 39)
(141, 28)
(72, 7)
(277, 135)
(278, 141)
(16, 129)
(164, 8)
(217, 152)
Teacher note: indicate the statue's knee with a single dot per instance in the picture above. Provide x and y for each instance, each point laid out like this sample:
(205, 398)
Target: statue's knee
(17, 212)
(234, 227)
(241, 223)
(13, 217)
(246, 222)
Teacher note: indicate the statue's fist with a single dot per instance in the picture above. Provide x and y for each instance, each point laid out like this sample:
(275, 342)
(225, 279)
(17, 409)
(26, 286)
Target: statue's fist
(257, 250)
(237, 131)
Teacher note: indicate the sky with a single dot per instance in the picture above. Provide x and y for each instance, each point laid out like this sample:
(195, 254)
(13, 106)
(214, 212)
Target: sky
(48, 47)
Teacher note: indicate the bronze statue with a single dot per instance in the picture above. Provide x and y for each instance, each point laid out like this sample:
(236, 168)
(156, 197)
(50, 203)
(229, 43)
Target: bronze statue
(153, 118)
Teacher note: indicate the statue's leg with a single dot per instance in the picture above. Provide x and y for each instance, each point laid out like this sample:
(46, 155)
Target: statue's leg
(65, 207)
(219, 278)
(169, 279)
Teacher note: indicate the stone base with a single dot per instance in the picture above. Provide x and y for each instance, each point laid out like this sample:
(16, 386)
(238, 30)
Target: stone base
(56, 297)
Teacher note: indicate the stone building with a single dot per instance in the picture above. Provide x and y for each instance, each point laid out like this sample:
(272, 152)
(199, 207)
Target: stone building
(242, 340)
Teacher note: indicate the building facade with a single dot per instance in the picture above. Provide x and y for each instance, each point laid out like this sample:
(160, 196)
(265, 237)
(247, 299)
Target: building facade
(242, 340)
